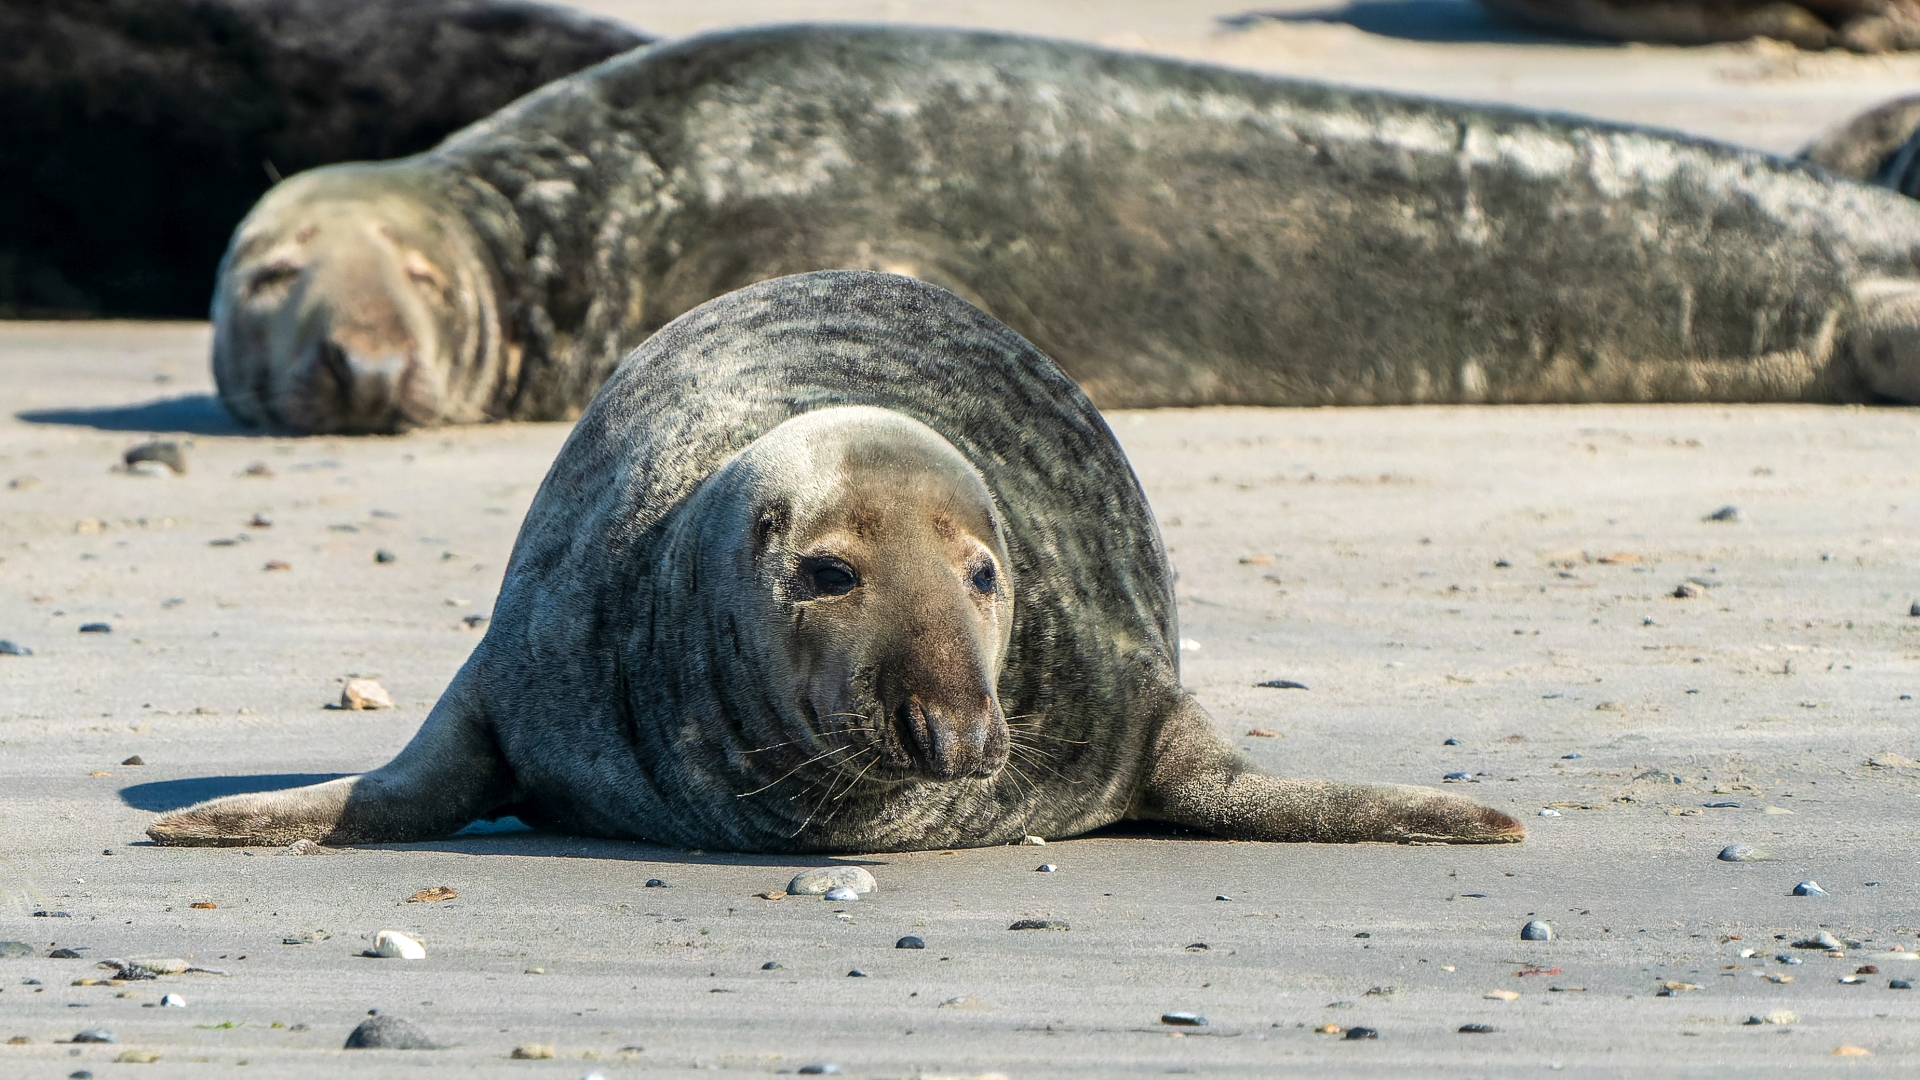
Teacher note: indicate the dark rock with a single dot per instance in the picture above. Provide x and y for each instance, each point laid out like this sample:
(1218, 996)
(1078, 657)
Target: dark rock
(771, 965)
(1183, 1019)
(134, 760)
(1283, 684)
(822, 1068)
(382, 555)
(655, 883)
(1362, 1033)
(1039, 924)
(1899, 984)
(160, 451)
(95, 1035)
(64, 954)
(910, 942)
(44, 914)
(95, 628)
(1809, 888)
(856, 973)
(1451, 742)
(1476, 1029)
(9, 648)
(388, 1033)
(1740, 853)
(1725, 513)
(1536, 931)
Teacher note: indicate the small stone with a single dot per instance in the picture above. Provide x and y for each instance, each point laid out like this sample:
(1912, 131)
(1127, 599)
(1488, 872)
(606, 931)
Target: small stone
(382, 555)
(655, 883)
(818, 881)
(1362, 1033)
(15, 950)
(1502, 995)
(95, 1035)
(43, 913)
(1549, 812)
(1851, 1051)
(1809, 888)
(434, 895)
(1786, 959)
(771, 965)
(1575, 756)
(1451, 742)
(819, 1068)
(1456, 777)
(1183, 1019)
(1777, 1016)
(1039, 924)
(533, 1052)
(160, 451)
(1033, 841)
(1740, 853)
(1821, 940)
(1687, 591)
(388, 1033)
(1866, 969)
(365, 694)
(304, 847)
(1282, 684)
(1722, 804)
(535, 971)
(1045, 868)
(474, 622)
(1536, 931)
(1264, 733)
(63, 954)
(393, 944)
(1899, 984)
(1476, 1029)
(910, 942)
(172, 1001)
(137, 1057)
(260, 521)
(1224, 898)
(9, 648)
(277, 564)
(1725, 513)
(1199, 946)
(135, 760)
(96, 628)
(840, 894)
(80, 1074)
(856, 973)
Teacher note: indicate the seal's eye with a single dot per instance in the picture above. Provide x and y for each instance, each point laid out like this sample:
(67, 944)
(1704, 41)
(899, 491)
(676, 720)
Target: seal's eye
(271, 280)
(829, 577)
(985, 580)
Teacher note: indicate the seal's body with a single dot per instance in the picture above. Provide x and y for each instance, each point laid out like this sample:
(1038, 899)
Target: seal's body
(135, 134)
(834, 563)
(1172, 234)
(1867, 26)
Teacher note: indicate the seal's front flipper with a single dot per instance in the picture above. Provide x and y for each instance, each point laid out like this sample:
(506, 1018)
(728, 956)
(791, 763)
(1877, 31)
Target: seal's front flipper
(1200, 781)
(449, 775)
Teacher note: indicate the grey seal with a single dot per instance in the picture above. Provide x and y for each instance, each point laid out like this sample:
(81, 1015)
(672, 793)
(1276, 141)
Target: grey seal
(833, 563)
(1880, 146)
(1170, 233)
(135, 134)
(1867, 26)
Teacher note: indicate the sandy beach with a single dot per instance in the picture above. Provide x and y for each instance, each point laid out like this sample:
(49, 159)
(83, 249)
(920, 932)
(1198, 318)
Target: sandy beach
(1481, 591)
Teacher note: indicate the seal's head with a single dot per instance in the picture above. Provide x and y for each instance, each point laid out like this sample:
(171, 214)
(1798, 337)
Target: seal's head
(863, 557)
(349, 301)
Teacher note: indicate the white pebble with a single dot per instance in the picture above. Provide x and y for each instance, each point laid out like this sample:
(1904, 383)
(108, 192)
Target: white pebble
(393, 943)
(1549, 812)
(173, 1001)
(1536, 931)
(820, 880)
(1033, 841)
(840, 894)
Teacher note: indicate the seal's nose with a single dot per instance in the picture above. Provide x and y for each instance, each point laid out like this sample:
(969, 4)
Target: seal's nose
(953, 743)
(355, 389)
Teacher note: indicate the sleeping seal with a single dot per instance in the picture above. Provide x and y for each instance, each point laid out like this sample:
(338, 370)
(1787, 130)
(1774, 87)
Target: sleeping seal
(1171, 234)
(833, 563)
(1866, 26)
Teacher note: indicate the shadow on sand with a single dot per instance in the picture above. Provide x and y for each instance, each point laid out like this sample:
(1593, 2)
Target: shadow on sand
(194, 414)
(1443, 21)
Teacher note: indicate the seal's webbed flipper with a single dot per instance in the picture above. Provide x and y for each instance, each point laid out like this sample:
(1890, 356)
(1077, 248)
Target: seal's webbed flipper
(1199, 781)
(448, 776)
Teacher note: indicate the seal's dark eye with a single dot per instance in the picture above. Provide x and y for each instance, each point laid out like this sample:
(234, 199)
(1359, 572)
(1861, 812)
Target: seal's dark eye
(271, 280)
(985, 580)
(829, 578)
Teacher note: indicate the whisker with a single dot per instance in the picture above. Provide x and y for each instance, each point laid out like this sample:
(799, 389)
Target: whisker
(797, 768)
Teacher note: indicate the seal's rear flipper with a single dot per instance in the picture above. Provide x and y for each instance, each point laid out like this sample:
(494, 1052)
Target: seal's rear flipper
(449, 775)
(1200, 781)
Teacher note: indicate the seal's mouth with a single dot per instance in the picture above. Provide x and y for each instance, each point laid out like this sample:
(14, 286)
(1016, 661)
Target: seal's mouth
(945, 745)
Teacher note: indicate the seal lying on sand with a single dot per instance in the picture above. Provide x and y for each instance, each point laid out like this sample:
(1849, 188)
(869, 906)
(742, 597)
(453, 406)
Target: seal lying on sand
(1880, 146)
(1868, 26)
(834, 563)
(134, 134)
(1171, 234)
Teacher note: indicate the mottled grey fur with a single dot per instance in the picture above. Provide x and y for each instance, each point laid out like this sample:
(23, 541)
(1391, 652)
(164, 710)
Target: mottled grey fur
(1867, 26)
(1172, 234)
(632, 682)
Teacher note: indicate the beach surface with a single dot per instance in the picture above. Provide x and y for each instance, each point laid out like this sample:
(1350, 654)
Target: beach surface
(1542, 601)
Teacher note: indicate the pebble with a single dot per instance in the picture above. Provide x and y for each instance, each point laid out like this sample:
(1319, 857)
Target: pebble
(1039, 924)
(304, 847)
(172, 1001)
(1821, 940)
(388, 1033)
(95, 1035)
(1777, 1016)
(63, 954)
(1809, 888)
(1722, 804)
(14, 950)
(1282, 684)
(1536, 931)
(818, 881)
(840, 894)
(96, 628)
(1451, 742)
(382, 555)
(1455, 776)
(1501, 995)
(1899, 984)
(1045, 868)
(1476, 1029)
(771, 965)
(1224, 898)
(160, 451)
(9, 648)
(1362, 1033)
(365, 694)
(1786, 959)
(910, 942)
(1034, 841)
(80, 1074)
(1549, 812)
(1725, 513)
(136, 1057)
(1686, 591)
(1913, 609)
(395, 945)
(1575, 756)
(1183, 1019)
(1740, 853)
(819, 1068)
(135, 760)
(856, 973)
(533, 1052)
(260, 521)
(655, 883)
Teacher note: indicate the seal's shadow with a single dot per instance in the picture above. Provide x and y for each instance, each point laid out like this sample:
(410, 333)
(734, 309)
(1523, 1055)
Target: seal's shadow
(192, 414)
(1453, 21)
